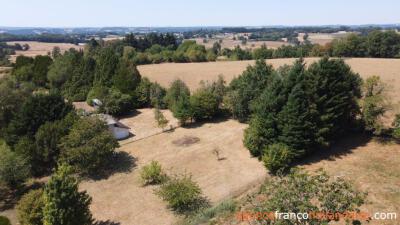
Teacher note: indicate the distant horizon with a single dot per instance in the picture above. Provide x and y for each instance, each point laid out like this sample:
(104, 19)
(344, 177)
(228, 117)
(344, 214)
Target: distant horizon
(211, 26)
(205, 13)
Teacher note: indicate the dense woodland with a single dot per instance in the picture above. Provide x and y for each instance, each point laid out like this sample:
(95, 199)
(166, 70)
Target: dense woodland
(292, 111)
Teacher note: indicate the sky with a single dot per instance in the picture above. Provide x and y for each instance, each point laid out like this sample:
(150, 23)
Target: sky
(178, 13)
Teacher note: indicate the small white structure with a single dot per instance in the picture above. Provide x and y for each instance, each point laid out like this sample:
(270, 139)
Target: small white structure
(96, 103)
(118, 129)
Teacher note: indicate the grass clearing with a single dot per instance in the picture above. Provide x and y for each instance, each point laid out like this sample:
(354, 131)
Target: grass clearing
(41, 48)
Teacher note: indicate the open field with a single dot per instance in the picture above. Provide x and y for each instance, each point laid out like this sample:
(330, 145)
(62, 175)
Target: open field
(371, 166)
(229, 43)
(121, 198)
(144, 125)
(41, 48)
(322, 38)
(193, 73)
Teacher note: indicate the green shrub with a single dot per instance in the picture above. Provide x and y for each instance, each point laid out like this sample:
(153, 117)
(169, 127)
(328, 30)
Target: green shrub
(204, 104)
(64, 204)
(14, 170)
(277, 157)
(116, 103)
(204, 216)
(89, 146)
(396, 124)
(300, 191)
(97, 92)
(396, 133)
(152, 174)
(4, 221)
(182, 194)
(30, 208)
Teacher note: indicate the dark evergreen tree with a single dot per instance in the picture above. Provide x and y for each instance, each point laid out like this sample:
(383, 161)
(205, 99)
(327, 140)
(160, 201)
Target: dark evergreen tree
(335, 90)
(36, 111)
(78, 85)
(182, 109)
(127, 77)
(107, 63)
(40, 68)
(177, 89)
(248, 87)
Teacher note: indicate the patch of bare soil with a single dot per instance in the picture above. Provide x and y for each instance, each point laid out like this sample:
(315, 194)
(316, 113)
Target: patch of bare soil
(186, 141)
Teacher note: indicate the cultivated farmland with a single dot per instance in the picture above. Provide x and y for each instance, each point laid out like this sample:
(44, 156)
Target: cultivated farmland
(193, 73)
(41, 48)
(229, 43)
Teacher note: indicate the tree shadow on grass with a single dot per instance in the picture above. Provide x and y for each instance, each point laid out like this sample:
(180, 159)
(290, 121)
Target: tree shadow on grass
(200, 123)
(340, 149)
(130, 114)
(122, 162)
(107, 222)
(9, 198)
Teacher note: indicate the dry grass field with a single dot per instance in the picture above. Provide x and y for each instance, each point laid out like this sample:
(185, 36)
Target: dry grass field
(322, 38)
(193, 73)
(373, 167)
(122, 199)
(143, 124)
(229, 43)
(41, 48)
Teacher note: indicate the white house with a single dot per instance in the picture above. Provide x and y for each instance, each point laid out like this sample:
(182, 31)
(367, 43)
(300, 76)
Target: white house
(118, 129)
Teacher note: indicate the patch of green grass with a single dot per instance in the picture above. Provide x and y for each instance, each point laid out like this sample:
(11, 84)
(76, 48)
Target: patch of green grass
(205, 216)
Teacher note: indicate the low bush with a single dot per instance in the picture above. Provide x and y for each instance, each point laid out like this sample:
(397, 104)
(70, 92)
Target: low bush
(396, 124)
(30, 208)
(204, 216)
(152, 174)
(183, 194)
(277, 157)
(4, 221)
(300, 191)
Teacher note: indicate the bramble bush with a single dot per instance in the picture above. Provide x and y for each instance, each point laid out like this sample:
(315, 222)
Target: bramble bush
(300, 191)
(277, 157)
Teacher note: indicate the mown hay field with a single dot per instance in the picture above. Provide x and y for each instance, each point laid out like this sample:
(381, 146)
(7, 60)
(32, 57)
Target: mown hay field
(229, 43)
(41, 48)
(193, 73)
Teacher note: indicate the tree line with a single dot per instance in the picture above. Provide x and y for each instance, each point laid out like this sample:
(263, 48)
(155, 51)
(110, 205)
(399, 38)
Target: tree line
(51, 38)
(376, 44)
(159, 48)
(6, 50)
